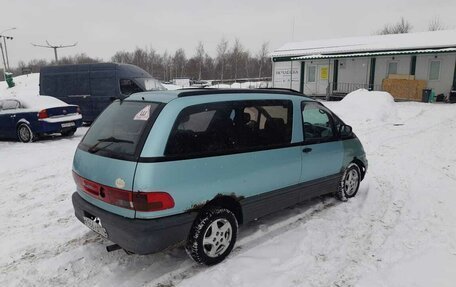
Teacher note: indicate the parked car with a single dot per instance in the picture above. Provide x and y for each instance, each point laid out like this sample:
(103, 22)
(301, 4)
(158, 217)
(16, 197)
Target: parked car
(28, 118)
(160, 168)
(94, 86)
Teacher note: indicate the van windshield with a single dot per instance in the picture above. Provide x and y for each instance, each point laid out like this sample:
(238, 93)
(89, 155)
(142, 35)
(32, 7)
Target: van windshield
(119, 128)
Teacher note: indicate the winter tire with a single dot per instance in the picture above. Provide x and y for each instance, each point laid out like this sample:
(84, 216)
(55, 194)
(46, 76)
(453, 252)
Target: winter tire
(24, 133)
(68, 133)
(349, 182)
(212, 236)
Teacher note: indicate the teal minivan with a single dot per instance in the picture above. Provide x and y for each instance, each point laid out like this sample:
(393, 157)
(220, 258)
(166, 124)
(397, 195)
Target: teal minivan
(165, 167)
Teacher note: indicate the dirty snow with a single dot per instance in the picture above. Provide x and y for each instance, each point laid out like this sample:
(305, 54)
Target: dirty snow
(400, 230)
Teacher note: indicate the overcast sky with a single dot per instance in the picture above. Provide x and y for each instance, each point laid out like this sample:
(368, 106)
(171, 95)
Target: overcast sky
(103, 27)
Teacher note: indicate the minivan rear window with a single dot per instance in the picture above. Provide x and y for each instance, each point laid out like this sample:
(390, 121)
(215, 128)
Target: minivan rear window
(119, 129)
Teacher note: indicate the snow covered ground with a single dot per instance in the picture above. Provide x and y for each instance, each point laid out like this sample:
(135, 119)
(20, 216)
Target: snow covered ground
(400, 230)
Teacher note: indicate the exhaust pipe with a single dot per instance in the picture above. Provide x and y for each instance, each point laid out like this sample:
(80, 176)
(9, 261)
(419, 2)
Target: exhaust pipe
(113, 247)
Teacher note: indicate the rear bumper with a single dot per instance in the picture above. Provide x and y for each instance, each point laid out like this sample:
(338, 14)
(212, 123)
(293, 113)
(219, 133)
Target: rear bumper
(139, 236)
(49, 128)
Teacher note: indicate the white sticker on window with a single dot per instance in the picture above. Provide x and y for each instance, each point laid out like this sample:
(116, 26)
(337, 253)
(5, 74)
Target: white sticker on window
(143, 115)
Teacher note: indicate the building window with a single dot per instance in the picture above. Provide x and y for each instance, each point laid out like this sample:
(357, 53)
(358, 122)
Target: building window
(434, 71)
(392, 68)
(311, 71)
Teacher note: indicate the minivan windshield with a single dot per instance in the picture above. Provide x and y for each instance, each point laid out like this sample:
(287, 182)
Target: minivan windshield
(119, 128)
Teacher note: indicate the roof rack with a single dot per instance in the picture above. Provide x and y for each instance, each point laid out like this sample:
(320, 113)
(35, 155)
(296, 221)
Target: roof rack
(212, 91)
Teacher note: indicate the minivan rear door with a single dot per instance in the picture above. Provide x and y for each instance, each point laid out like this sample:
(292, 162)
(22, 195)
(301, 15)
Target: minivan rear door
(108, 153)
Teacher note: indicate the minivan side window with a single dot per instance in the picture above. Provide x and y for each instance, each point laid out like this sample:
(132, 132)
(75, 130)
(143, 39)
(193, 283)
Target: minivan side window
(317, 123)
(231, 127)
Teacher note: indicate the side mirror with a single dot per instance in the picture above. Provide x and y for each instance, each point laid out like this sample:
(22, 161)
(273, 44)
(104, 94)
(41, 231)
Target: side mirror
(345, 131)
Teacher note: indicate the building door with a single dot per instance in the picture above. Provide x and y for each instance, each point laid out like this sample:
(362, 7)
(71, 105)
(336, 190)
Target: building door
(316, 79)
(322, 79)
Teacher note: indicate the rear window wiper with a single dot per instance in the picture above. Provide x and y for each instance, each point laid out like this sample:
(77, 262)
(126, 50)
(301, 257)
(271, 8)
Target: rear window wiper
(111, 140)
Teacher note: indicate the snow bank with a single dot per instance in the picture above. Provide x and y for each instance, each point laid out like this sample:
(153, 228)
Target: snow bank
(171, 87)
(244, 85)
(26, 85)
(363, 106)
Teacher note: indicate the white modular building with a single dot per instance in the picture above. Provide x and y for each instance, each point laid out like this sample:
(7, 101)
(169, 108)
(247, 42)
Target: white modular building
(338, 66)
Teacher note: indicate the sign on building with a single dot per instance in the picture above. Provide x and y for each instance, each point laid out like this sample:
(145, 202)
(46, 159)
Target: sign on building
(287, 75)
(324, 73)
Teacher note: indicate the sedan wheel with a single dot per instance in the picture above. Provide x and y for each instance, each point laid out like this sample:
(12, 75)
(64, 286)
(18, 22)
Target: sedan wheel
(24, 133)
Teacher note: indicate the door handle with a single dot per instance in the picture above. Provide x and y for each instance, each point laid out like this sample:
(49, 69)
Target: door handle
(306, 149)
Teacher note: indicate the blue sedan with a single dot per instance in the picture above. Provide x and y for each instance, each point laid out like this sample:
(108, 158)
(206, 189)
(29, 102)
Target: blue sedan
(28, 118)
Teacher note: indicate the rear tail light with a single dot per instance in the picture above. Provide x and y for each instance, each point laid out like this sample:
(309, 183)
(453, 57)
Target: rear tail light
(43, 114)
(152, 201)
(139, 201)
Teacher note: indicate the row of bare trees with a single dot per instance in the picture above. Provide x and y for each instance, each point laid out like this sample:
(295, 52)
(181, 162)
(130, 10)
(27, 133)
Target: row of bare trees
(232, 61)
(404, 26)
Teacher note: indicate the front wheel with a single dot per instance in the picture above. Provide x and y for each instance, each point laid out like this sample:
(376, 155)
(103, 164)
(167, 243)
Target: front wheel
(24, 133)
(349, 182)
(212, 236)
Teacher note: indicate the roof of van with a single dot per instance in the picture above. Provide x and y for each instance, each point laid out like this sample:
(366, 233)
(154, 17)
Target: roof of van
(124, 70)
(167, 96)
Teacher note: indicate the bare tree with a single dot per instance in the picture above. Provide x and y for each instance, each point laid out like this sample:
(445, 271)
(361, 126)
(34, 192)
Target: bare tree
(222, 49)
(179, 61)
(200, 58)
(262, 57)
(122, 57)
(236, 55)
(401, 27)
(78, 59)
(435, 25)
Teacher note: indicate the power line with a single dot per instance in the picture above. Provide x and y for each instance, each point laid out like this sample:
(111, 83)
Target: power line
(55, 47)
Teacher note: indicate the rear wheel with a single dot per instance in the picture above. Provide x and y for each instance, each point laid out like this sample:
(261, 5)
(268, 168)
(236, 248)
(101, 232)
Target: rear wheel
(349, 182)
(69, 133)
(212, 236)
(24, 133)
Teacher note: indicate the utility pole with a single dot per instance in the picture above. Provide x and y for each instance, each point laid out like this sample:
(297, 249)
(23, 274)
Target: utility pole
(55, 47)
(3, 57)
(6, 50)
(4, 42)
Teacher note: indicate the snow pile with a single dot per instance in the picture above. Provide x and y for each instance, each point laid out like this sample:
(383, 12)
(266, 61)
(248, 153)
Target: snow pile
(26, 85)
(363, 106)
(171, 87)
(244, 85)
